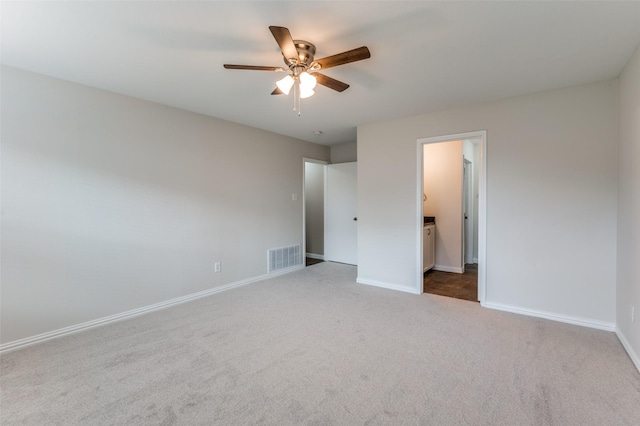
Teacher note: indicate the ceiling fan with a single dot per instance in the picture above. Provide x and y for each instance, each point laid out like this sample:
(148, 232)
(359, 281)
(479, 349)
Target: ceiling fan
(302, 70)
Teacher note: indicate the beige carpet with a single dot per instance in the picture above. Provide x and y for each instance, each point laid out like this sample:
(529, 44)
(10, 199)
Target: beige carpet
(313, 347)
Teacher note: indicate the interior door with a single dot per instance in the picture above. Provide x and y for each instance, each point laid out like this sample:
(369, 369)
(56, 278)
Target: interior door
(467, 207)
(341, 226)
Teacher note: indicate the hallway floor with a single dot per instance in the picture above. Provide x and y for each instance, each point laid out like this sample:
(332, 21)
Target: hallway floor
(460, 286)
(310, 261)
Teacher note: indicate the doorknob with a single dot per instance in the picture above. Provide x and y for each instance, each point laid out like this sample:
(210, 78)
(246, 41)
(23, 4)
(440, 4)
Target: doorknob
(355, 218)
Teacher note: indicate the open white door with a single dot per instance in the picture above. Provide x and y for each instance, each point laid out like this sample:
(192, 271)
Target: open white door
(341, 226)
(467, 213)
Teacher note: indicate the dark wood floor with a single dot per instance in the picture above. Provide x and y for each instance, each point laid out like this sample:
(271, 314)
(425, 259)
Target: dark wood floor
(461, 286)
(311, 261)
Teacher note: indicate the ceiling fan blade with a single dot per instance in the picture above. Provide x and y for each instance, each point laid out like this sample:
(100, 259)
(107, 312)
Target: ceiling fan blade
(331, 83)
(277, 91)
(344, 58)
(252, 67)
(285, 41)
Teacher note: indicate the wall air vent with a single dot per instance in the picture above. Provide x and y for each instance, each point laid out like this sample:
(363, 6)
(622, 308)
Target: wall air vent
(283, 258)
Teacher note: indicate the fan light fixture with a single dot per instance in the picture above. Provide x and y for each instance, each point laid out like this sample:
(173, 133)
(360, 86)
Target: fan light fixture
(307, 81)
(285, 84)
(307, 84)
(305, 93)
(302, 83)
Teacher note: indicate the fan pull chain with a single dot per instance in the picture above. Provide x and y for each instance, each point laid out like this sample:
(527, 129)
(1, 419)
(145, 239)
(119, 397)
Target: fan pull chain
(296, 97)
(295, 91)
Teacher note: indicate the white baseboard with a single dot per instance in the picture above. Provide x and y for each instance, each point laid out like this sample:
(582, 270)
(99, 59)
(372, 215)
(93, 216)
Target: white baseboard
(315, 256)
(17, 344)
(475, 260)
(271, 275)
(600, 325)
(446, 268)
(387, 285)
(627, 347)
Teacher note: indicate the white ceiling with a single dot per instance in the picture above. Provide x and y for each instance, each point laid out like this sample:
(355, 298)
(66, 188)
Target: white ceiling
(425, 56)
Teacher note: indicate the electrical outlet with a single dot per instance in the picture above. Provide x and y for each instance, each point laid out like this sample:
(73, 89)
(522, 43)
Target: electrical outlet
(294, 197)
(216, 267)
(633, 314)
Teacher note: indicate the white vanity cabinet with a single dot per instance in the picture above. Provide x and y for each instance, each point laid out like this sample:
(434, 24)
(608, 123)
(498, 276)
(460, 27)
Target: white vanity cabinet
(429, 247)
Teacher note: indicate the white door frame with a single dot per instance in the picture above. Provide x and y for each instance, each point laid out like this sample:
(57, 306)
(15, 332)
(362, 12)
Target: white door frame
(304, 201)
(482, 206)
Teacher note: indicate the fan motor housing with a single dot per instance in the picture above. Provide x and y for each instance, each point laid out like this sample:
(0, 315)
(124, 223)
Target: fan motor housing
(306, 53)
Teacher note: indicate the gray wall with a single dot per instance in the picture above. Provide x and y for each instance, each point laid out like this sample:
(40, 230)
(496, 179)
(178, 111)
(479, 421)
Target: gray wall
(344, 153)
(551, 200)
(112, 203)
(628, 284)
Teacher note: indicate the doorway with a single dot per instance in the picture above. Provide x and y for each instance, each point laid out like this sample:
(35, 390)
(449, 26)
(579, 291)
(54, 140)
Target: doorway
(313, 210)
(479, 171)
(329, 225)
